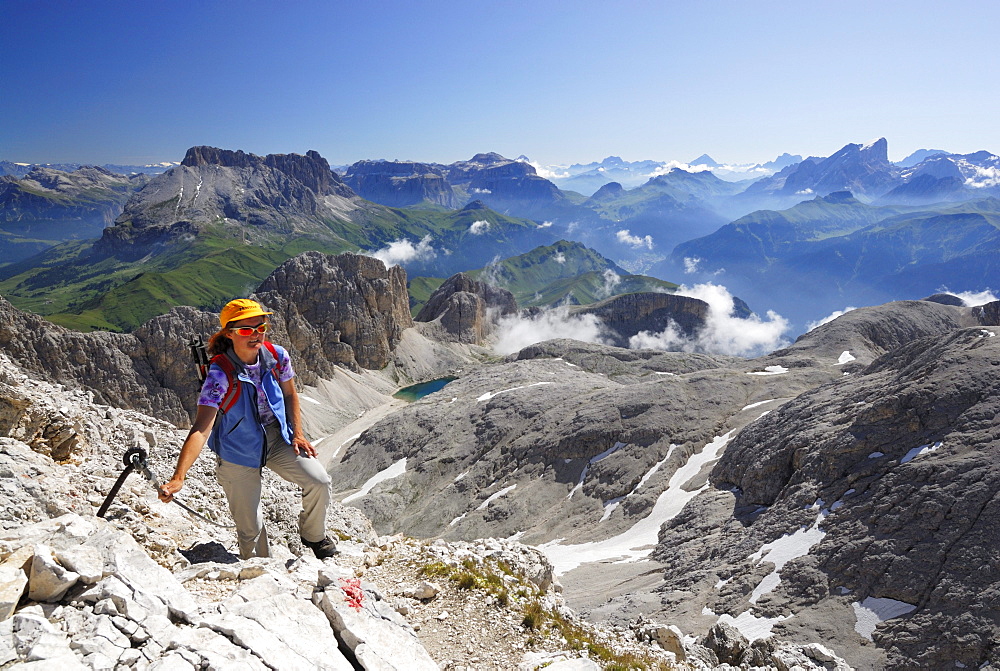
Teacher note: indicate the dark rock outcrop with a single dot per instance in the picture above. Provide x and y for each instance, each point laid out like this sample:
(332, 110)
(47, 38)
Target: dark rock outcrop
(629, 314)
(348, 309)
(401, 183)
(945, 299)
(609, 191)
(989, 314)
(467, 308)
(255, 196)
(887, 478)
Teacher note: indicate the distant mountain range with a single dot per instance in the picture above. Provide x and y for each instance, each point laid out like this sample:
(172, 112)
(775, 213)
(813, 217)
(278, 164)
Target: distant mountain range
(221, 220)
(831, 252)
(565, 273)
(22, 169)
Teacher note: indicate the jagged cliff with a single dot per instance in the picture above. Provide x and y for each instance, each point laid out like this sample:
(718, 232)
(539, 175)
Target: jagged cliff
(629, 314)
(401, 183)
(253, 197)
(330, 311)
(467, 309)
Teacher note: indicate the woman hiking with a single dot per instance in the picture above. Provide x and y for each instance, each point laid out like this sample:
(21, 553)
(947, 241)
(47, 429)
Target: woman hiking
(248, 413)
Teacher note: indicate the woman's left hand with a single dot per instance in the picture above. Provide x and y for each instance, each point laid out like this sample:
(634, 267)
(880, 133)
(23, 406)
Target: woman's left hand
(303, 447)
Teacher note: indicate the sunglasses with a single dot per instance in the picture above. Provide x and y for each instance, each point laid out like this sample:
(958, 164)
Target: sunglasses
(250, 330)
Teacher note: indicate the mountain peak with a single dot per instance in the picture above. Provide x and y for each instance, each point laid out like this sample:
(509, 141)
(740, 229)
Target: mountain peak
(877, 149)
(489, 158)
(312, 169)
(705, 159)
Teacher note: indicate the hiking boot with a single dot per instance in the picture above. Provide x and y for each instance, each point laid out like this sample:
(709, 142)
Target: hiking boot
(322, 549)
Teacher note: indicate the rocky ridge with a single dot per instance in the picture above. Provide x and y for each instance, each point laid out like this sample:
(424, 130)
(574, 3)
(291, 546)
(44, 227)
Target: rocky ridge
(251, 196)
(580, 445)
(150, 587)
(467, 309)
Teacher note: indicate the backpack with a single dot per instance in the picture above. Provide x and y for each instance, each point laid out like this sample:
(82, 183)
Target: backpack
(199, 352)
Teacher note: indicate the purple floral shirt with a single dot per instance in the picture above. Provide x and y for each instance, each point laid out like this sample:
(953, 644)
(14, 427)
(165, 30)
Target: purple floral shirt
(217, 384)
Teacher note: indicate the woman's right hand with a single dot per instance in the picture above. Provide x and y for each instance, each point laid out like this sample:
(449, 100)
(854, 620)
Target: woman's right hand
(169, 488)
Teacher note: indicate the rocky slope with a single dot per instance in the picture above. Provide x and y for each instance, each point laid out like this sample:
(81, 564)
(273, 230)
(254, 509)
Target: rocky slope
(150, 587)
(860, 510)
(581, 447)
(259, 196)
(627, 315)
(467, 309)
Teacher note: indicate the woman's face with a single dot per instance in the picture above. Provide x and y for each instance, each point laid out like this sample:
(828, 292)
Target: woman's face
(247, 344)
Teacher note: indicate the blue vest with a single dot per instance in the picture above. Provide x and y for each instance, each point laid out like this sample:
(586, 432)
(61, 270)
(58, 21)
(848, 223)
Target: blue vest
(238, 436)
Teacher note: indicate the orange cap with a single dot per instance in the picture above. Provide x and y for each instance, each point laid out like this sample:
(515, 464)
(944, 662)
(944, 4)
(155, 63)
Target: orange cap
(240, 308)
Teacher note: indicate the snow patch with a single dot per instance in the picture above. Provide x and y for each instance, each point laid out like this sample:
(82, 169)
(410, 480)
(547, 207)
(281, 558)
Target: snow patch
(784, 550)
(758, 404)
(770, 370)
(637, 542)
(750, 625)
(310, 399)
(917, 451)
(393, 471)
(342, 445)
(873, 611)
(846, 357)
(490, 394)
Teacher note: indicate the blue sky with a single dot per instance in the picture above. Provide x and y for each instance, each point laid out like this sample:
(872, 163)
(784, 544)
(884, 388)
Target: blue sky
(560, 82)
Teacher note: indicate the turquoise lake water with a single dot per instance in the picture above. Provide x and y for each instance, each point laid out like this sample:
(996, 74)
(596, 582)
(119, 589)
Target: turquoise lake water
(418, 391)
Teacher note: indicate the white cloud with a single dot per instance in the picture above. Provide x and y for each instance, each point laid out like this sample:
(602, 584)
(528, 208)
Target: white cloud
(974, 298)
(491, 274)
(984, 177)
(633, 240)
(560, 258)
(550, 172)
(479, 191)
(723, 333)
(545, 224)
(404, 251)
(665, 168)
(829, 318)
(611, 280)
(691, 264)
(515, 332)
(479, 227)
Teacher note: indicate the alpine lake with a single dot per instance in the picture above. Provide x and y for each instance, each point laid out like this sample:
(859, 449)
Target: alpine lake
(418, 391)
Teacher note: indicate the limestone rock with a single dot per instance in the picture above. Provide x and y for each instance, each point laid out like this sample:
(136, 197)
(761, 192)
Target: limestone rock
(629, 314)
(13, 583)
(48, 580)
(467, 308)
(318, 295)
(900, 454)
(377, 636)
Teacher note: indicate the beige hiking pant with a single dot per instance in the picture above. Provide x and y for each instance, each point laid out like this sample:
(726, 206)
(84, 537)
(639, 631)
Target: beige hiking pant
(242, 486)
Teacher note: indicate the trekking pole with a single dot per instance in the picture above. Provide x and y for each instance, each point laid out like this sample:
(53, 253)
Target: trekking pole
(132, 458)
(135, 459)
